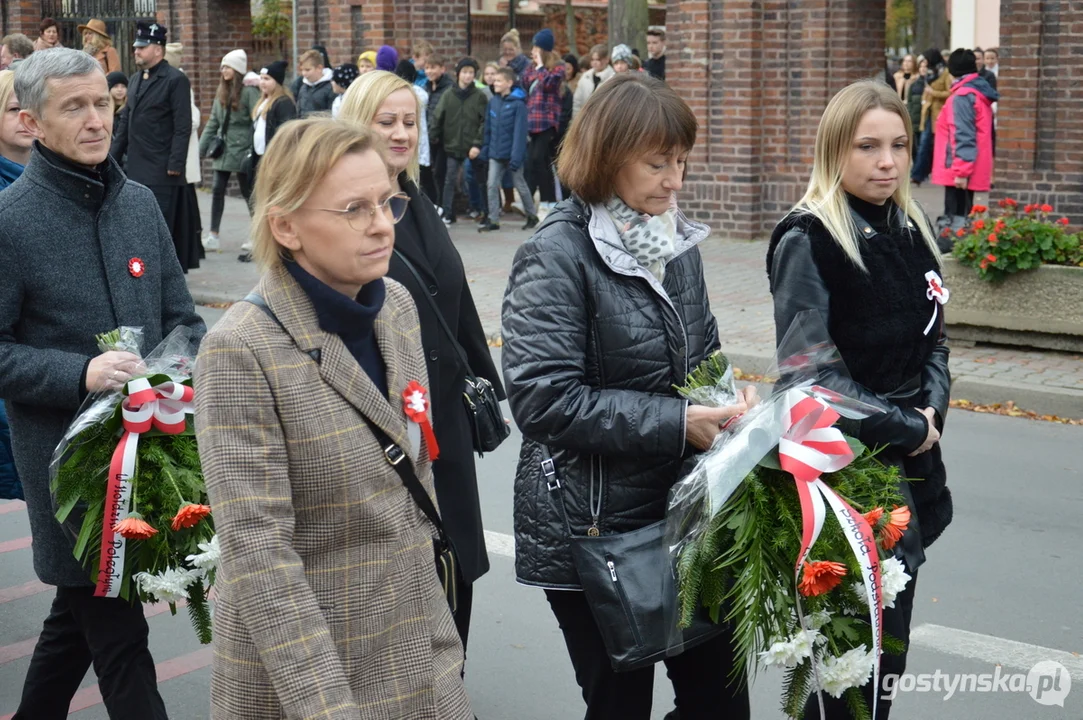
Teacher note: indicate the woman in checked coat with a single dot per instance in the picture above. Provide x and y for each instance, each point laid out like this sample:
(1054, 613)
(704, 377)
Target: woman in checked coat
(329, 603)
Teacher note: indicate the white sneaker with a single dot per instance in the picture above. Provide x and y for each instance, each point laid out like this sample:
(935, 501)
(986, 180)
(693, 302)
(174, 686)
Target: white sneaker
(246, 246)
(211, 243)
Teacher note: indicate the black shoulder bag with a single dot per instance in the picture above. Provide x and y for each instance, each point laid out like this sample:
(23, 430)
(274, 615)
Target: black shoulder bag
(218, 145)
(486, 419)
(395, 456)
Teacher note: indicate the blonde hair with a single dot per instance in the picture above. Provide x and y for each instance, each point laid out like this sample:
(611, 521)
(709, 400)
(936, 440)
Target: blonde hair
(298, 158)
(261, 108)
(7, 87)
(367, 94)
(825, 198)
(512, 36)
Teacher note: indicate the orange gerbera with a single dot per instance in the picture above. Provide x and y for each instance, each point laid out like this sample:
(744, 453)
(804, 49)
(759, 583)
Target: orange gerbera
(820, 577)
(873, 516)
(190, 515)
(134, 527)
(898, 520)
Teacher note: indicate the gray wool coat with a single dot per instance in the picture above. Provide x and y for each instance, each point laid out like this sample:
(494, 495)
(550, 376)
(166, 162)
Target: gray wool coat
(66, 241)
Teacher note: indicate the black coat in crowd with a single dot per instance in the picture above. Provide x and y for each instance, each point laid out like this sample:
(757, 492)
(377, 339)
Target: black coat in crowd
(422, 238)
(593, 345)
(877, 319)
(155, 127)
(281, 112)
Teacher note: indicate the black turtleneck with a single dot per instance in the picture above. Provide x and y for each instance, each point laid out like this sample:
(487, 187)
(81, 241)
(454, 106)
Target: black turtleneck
(879, 216)
(352, 320)
(96, 173)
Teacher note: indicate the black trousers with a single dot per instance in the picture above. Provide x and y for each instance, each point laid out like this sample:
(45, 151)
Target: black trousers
(539, 165)
(896, 624)
(700, 676)
(957, 201)
(82, 629)
(218, 195)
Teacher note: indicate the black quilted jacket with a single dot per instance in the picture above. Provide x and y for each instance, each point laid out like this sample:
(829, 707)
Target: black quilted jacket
(593, 345)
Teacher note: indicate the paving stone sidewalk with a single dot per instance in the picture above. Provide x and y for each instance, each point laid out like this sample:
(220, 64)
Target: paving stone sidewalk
(1043, 381)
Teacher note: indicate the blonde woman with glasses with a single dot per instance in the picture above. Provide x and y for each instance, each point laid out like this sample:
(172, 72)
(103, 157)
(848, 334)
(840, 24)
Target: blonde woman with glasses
(329, 604)
(387, 105)
(859, 251)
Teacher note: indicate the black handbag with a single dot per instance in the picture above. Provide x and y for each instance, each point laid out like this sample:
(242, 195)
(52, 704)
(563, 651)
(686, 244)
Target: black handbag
(482, 405)
(445, 556)
(628, 588)
(218, 144)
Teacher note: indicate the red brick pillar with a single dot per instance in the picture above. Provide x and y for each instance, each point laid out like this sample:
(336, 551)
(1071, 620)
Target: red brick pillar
(1039, 151)
(758, 74)
(23, 16)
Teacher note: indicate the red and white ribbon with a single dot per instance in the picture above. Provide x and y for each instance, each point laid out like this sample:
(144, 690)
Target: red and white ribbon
(811, 446)
(936, 291)
(416, 405)
(162, 407)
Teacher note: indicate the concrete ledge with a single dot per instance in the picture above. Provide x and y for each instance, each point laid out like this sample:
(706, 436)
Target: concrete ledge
(1040, 308)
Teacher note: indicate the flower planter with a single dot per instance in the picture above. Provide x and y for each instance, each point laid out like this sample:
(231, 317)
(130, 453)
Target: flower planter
(1041, 308)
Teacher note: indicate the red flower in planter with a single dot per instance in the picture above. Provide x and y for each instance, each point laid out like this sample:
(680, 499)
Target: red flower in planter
(991, 258)
(1030, 208)
(979, 225)
(960, 232)
(978, 209)
(993, 240)
(999, 226)
(1046, 208)
(1007, 202)
(1063, 221)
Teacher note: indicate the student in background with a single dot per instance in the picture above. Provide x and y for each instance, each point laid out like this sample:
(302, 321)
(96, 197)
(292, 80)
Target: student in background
(505, 146)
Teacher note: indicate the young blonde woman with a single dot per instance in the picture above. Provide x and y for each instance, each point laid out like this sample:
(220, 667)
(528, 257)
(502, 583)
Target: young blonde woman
(328, 603)
(859, 251)
(387, 105)
(275, 107)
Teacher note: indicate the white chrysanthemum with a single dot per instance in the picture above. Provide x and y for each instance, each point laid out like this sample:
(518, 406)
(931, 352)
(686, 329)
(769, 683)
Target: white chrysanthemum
(788, 653)
(170, 585)
(818, 619)
(852, 669)
(209, 558)
(893, 580)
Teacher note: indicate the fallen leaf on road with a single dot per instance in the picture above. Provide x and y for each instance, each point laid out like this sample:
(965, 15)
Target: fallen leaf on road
(1009, 409)
(739, 374)
(496, 342)
(218, 305)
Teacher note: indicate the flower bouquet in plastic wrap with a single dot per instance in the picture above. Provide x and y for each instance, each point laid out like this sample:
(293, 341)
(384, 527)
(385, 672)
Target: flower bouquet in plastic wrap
(127, 483)
(785, 527)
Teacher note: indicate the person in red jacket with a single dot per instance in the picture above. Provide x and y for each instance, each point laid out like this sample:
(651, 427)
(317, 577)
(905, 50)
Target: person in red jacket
(963, 153)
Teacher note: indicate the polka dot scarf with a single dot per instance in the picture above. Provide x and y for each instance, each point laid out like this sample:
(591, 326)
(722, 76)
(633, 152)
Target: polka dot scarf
(652, 241)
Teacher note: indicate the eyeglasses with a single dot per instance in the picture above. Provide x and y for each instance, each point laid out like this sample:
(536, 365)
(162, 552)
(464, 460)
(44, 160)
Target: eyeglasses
(359, 213)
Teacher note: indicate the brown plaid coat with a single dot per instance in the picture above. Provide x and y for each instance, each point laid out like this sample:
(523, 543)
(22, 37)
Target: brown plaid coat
(328, 603)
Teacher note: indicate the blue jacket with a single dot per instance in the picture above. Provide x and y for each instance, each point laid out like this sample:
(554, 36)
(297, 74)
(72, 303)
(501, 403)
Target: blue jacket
(10, 487)
(506, 129)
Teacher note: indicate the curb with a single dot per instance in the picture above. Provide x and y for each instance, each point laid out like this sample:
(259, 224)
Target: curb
(210, 297)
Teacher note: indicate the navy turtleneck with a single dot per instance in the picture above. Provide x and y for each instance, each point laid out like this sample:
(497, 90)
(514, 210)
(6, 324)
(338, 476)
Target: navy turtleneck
(352, 320)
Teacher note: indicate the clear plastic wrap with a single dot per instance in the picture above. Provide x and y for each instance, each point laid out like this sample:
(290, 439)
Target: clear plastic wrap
(805, 358)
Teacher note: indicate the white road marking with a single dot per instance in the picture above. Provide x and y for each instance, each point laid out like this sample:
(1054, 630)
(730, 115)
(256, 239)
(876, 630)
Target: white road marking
(991, 649)
(938, 638)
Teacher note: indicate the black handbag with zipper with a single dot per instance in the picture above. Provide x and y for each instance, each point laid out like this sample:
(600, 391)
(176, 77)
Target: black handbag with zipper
(487, 425)
(628, 582)
(217, 147)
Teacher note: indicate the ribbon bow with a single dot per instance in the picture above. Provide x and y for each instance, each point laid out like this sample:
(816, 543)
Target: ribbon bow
(162, 407)
(811, 446)
(936, 291)
(415, 403)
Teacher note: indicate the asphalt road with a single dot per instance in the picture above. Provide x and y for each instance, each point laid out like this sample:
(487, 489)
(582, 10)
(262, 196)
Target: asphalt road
(1001, 586)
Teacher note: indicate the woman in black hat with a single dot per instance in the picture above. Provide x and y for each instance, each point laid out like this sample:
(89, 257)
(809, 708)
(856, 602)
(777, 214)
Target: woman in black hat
(118, 89)
(341, 78)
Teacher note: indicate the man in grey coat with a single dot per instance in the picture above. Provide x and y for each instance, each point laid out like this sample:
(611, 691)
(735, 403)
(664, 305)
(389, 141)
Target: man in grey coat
(102, 257)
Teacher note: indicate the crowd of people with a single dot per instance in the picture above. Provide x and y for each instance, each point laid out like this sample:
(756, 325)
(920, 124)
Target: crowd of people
(327, 604)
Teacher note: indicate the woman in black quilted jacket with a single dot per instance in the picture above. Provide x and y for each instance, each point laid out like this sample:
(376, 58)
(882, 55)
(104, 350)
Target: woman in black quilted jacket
(606, 310)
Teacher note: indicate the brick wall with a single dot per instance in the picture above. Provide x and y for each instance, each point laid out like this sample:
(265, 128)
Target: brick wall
(758, 74)
(1040, 113)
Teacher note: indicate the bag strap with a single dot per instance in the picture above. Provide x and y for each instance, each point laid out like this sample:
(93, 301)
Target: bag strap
(394, 454)
(439, 315)
(223, 130)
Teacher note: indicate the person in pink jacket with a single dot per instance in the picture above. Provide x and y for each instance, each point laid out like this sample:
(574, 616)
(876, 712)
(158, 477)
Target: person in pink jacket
(963, 150)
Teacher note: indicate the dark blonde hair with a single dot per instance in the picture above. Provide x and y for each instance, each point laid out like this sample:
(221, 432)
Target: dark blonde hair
(311, 56)
(608, 133)
(298, 158)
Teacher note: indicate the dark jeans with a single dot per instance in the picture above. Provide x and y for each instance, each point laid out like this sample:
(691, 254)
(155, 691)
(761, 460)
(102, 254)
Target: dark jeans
(896, 624)
(218, 195)
(539, 165)
(451, 182)
(958, 202)
(82, 629)
(700, 676)
(924, 164)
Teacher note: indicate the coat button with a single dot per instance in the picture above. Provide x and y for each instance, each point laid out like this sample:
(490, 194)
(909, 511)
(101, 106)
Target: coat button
(434, 356)
(868, 229)
(432, 290)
